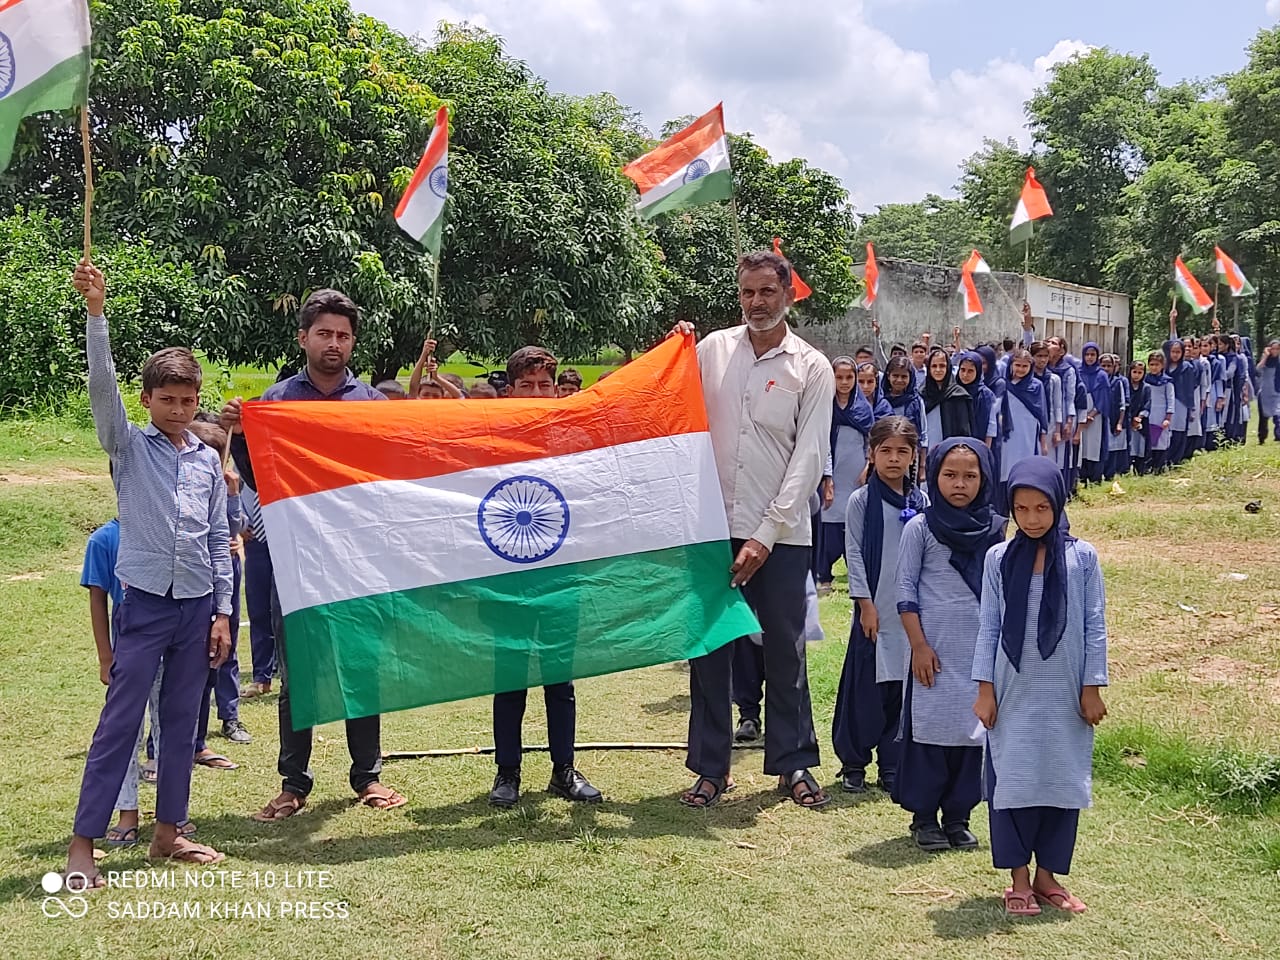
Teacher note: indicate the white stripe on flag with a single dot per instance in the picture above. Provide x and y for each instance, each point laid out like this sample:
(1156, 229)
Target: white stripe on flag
(391, 535)
(716, 157)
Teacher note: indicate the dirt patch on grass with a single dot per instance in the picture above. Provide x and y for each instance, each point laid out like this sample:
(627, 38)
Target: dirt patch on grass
(48, 476)
(1228, 671)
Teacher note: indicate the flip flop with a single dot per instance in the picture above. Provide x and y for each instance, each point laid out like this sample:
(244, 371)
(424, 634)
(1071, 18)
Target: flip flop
(186, 829)
(122, 838)
(384, 799)
(1017, 904)
(149, 774)
(185, 851)
(1051, 896)
(281, 808)
(216, 761)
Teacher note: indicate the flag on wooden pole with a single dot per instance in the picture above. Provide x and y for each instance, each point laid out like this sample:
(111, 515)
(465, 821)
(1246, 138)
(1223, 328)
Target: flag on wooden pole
(798, 286)
(44, 61)
(687, 170)
(1230, 275)
(1033, 205)
(871, 278)
(420, 212)
(1188, 288)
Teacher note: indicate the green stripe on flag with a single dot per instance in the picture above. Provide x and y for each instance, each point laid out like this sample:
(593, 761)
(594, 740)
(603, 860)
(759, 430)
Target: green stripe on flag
(709, 189)
(1021, 233)
(528, 628)
(431, 239)
(65, 85)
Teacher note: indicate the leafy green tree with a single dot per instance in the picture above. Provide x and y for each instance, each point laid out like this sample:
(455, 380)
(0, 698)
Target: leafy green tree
(1093, 122)
(152, 304)
(268, 142)
(935, 230)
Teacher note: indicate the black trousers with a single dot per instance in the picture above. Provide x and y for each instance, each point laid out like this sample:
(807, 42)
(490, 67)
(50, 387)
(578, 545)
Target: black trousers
(508, 721)
(777, 595)
(364, 735)
(748, 678)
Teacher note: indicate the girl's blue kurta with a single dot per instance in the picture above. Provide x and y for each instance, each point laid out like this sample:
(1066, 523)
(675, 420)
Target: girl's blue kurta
(1024, 437)
(1119, 415)
(930, 586)
(1041, 748)
(891, 642)
(847, 463)
(1091, 435)
(1162, 401)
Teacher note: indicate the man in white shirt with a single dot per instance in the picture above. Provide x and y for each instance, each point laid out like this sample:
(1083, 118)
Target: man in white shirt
(768, 396)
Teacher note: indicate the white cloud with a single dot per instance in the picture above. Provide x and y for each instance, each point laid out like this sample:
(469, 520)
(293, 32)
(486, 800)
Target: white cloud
(1273, 8)
(816, 80)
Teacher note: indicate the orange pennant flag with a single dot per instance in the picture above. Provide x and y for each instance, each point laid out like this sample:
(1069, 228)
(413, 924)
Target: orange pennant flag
(798, 286)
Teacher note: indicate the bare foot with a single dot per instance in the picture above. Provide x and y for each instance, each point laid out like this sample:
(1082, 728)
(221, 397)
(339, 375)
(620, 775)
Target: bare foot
(82, 873)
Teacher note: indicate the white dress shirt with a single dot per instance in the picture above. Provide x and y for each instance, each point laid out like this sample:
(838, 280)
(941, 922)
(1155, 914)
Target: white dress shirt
(770, 420)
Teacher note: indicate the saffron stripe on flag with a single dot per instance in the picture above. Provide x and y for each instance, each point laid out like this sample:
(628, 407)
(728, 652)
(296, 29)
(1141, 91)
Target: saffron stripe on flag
(320, 446)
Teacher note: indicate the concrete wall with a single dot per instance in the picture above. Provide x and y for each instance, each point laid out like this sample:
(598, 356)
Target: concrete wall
(919, 297)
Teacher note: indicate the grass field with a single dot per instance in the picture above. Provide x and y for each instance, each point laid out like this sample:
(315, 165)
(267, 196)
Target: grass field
(1180, 858)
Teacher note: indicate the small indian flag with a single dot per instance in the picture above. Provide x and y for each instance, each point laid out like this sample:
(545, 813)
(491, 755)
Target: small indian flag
(44, 61)
(1230, 274)
(871, 278)
(420, 212)
(494, 545)
(1189, 289)
(975, 264)
(798, 287)
(969, 294)
(690, 169)
(1033, 205)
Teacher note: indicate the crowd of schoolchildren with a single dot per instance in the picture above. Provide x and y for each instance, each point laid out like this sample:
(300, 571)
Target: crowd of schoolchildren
(965, 647)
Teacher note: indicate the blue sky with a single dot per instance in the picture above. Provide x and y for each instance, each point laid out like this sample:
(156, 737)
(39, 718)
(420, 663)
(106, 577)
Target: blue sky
(890, 95)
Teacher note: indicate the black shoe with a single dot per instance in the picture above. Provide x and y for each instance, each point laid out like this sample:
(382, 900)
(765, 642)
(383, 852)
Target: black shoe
(885, 784)
(568, 784)
(748, 731)
(929, 837)
(853, 781)
(506, 787)
(960, 836)
(234, 731)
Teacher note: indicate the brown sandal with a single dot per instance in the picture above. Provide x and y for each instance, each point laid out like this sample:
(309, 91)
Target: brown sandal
(188, 851)
(281, 808)
(379, 797)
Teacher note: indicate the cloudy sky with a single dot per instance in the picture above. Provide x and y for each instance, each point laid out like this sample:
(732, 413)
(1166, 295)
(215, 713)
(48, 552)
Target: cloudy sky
(890, 95)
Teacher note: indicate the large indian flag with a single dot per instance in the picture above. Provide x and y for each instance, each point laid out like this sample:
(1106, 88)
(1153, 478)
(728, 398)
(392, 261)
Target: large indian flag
(427, 552)
(44, 61)
(420, 212)
(691, 168)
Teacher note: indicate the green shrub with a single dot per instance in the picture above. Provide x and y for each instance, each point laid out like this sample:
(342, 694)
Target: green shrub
(151, 304)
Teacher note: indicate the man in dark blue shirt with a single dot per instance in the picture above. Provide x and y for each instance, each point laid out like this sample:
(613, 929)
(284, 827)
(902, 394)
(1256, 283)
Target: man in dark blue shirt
(327, 326)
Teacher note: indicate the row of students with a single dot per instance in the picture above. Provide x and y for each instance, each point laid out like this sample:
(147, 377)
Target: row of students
(953, 623)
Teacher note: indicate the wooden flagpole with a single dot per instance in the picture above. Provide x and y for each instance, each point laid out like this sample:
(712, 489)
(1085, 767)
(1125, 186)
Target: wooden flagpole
(88, 179)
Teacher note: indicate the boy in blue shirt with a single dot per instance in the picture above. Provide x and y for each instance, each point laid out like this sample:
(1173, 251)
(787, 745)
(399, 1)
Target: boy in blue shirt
(175, 561)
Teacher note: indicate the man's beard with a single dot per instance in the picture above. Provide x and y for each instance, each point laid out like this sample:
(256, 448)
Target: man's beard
(765, 325)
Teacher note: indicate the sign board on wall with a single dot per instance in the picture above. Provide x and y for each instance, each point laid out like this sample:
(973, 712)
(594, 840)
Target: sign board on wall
(1054, 300)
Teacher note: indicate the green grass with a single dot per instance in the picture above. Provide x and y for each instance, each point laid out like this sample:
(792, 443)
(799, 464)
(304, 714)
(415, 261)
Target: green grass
(1178, 859)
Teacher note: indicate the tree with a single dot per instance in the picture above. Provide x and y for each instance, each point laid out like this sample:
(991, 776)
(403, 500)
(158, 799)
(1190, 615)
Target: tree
(1093, 122)
(932, 231)
(267, 143)
(990, 185)
(152, 305)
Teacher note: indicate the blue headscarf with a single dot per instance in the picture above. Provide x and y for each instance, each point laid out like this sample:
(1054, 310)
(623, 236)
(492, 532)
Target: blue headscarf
(969, 531)
(858, 414)
(1018, 563)
(991, 373)
(908, 503)
(879, 405)
(983, 397)
(1096, 381)
(1184, 375)
(1031, 394)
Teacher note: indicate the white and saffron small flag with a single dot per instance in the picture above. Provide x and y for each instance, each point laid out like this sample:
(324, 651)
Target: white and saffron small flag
(1229, 273)
(871, 278)
(1033, 205)
(495, 545)
(689, 169)
(420, 212)
(1188, 288)
(976, 264)
(44, 61)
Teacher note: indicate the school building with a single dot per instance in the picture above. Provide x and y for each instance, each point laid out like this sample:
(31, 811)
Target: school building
(918, 297)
